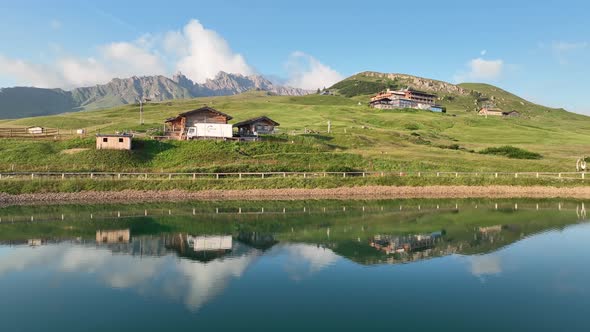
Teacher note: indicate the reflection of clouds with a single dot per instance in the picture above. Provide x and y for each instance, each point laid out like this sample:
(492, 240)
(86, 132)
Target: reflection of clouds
(193, 282)
(485, 265)
(304, 259)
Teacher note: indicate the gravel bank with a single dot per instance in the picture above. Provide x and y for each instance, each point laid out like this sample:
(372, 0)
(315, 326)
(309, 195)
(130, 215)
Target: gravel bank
(369, 192)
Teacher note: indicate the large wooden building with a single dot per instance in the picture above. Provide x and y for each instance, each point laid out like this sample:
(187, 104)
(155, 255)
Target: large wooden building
(403, 99)
(177, 126)
(262, 125)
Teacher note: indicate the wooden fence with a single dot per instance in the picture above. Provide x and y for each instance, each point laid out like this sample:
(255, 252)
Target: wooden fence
(32, 133)
(102, 214)
(273, 175)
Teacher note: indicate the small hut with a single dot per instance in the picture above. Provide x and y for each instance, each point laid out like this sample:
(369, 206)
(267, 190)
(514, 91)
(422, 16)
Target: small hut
(36, 130)
(113, 142)
(262, 125)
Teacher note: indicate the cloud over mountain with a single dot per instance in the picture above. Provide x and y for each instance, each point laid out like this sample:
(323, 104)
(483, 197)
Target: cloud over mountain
(196, 51)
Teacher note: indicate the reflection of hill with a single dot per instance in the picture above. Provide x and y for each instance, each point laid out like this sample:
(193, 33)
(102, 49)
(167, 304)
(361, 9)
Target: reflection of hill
(470, 227)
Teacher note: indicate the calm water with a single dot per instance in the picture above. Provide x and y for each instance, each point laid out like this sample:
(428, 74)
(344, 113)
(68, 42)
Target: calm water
(297, 266)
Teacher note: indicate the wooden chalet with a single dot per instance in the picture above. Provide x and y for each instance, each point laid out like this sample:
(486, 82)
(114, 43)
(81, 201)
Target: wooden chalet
(498, 112)
(176, 126)
(262, 125)
(491, 111)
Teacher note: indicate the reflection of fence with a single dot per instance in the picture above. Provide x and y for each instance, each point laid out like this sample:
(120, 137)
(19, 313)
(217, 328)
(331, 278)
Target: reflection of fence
(276, 211)
(34, 132)
(270, 175)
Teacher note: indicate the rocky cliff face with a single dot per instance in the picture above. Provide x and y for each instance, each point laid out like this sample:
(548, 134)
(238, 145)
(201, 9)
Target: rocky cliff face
(230, 84)
(419, 83)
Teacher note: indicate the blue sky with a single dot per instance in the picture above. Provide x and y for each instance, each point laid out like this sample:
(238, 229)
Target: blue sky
(537, 49)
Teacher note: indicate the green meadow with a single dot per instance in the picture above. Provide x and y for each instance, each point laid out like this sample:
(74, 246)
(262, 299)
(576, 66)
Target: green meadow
(361, 138)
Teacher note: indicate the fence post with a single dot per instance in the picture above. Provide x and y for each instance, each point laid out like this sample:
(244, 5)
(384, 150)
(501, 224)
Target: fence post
(343, 175)
(583, 175)
(63, 176)
(284, 174)
(537, 175)
(456, 175)
(92, 175)
(32, 176)
(496, 175)
(437, 174)
(194, 176)
(217, 176)
(516, 175)
(169, 176)
(304, 175)
(382, 174)
(240, 174)
(262, 175)
(419, 174)
(119, 176)
(559, 175)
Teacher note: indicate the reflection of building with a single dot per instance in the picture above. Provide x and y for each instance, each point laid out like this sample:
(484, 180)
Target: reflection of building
(399, 244)
(262, 241)
(490, 229)
(210, 243)
(35, 242)
(113, 236)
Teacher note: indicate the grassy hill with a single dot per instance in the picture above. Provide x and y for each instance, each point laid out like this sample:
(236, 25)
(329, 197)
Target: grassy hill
(362, 138)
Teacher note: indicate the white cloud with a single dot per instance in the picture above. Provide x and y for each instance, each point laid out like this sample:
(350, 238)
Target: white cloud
(194, 283)
(196, 51)
(55, 24)
(27, 73)
(481, 69)
(203, 53)
(305, 260)
(485, 265)
(483, 52)
(562, 49)
(307, 72)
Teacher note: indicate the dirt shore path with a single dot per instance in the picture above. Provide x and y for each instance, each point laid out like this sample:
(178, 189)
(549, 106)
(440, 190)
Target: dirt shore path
(365, 193)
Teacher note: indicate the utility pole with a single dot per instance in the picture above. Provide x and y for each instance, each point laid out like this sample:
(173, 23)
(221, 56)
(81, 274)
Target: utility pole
(141, 102)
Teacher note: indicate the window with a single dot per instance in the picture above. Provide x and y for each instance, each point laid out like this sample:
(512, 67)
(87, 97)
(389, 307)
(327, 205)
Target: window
(120, 140)
(105, 140)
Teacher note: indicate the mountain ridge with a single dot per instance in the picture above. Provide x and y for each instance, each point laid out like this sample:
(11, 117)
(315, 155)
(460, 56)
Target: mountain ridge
(19, 102)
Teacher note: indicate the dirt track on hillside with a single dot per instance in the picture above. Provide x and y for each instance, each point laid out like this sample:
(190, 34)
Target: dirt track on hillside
(361, 193)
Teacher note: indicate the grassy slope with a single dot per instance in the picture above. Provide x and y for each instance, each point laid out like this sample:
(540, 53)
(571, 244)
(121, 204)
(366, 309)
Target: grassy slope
(362, 138)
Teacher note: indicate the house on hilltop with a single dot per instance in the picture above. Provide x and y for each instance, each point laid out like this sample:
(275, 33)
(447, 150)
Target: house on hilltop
(407, 98)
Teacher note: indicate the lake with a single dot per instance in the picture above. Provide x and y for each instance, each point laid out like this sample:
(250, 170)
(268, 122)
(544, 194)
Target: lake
(413, 265)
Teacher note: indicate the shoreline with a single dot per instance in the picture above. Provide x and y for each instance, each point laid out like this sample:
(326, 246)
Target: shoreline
(342, 193)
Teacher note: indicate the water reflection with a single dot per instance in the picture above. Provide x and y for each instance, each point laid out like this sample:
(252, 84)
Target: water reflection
(195, 260)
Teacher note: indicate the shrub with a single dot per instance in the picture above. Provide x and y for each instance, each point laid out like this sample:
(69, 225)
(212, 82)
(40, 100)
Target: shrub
(511, 152)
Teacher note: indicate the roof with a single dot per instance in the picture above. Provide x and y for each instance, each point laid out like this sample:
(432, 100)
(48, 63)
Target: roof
(202, 109)
(254, 120)
(421, 93)
(485, 109)
(114, 135)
